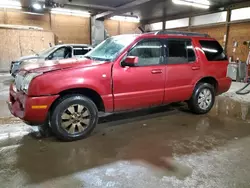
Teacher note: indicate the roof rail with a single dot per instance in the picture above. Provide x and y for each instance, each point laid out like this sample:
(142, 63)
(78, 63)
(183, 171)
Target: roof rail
(184, 33)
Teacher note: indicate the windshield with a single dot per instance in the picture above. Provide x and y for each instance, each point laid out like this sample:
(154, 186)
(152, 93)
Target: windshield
(46, 52)
(109, 49)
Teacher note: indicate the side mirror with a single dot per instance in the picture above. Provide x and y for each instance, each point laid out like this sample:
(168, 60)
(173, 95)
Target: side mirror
(130, 61)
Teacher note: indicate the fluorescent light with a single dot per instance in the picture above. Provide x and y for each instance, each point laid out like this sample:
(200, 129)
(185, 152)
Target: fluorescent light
(126, 18)
(37, 6)
(204, 4)
(70, 12)
(10, 4)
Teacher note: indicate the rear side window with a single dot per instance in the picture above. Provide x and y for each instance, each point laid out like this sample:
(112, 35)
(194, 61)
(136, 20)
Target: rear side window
(80, 50)
(180, 51)
(213, 50)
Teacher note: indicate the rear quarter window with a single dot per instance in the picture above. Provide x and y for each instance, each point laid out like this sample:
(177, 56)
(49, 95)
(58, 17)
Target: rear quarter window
(213, 50)
(80, 51)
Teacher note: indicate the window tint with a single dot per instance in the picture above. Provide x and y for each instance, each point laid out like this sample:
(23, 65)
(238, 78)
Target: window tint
(148, 52)
(180, 51)
(80, 50)
(213, 50)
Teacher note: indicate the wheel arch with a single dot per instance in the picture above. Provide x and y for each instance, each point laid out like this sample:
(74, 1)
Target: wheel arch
(210, 80)
(90, 93)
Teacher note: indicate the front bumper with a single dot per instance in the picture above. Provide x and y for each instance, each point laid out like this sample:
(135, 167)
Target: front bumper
(30, 109)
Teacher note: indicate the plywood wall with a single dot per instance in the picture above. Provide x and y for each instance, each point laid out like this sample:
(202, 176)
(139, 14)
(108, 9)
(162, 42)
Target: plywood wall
(114, 27)
(16, 43)
(1, 16)
(20, 18)
(216, 32)
(71, 29)
(239, 32)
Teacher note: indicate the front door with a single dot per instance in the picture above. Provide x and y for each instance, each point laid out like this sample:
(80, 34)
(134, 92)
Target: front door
(182, 70)
(142, 85)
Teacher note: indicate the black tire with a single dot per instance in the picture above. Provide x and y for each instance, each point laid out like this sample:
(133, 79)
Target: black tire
(63, 104)
(193, 102)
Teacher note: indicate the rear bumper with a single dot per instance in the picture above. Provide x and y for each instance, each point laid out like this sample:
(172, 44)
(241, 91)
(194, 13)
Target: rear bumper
(30, 109)
(224, 85)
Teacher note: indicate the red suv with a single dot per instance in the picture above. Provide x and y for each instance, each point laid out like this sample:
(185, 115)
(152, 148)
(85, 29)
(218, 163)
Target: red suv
(125, 72)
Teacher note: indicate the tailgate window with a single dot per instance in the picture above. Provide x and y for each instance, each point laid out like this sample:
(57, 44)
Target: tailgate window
(213, 50)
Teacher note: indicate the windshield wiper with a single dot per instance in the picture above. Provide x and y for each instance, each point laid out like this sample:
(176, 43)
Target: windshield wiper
(88, 57)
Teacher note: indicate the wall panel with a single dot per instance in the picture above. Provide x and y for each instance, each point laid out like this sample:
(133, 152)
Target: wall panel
(15, 43)
(239, 32)
(19, 18)
(216, 32)
(71, 29)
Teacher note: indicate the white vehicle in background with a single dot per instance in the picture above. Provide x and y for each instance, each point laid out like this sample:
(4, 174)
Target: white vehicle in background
(58, 52)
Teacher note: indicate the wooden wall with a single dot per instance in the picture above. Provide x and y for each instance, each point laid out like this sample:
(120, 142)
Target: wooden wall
(16, 43)
(216, 32)
(114, 27)
(239, 32)
(19, 18)
(71, 29)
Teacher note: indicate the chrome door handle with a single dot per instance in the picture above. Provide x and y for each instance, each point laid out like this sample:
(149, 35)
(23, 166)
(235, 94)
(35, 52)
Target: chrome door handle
(156, 71)
(195, 68)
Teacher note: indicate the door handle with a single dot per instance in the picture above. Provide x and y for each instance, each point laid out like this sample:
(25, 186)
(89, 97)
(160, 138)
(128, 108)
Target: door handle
(156, 71)
(195, 68)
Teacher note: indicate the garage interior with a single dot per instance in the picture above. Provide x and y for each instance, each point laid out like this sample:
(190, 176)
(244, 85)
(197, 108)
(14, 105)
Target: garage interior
(209, 150)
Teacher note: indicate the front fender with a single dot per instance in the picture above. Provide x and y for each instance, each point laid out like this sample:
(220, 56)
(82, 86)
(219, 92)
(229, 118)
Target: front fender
(53, 87)
(52, 83)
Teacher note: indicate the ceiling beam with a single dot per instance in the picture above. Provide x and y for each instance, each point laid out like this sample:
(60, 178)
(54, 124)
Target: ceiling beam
(92, 6)
(121, 9)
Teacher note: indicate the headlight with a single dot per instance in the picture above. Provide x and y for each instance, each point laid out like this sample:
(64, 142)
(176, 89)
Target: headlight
(26, 81)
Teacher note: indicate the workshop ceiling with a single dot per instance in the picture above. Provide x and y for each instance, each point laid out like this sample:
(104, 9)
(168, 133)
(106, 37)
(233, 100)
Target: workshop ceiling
(147, 10)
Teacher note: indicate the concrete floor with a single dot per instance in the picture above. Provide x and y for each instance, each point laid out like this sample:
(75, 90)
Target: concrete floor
(156, 148)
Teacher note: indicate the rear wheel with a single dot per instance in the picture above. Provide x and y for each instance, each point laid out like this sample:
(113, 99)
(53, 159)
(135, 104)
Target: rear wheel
(74, 117)
(202, 99)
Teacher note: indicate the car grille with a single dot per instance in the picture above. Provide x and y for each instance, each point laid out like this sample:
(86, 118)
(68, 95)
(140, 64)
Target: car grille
(18, 81)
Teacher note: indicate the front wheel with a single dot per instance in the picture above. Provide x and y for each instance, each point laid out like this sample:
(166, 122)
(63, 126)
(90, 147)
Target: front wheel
(74, 117)
(202, 99)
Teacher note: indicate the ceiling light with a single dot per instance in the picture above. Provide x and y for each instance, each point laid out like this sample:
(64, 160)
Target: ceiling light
(70, 12)
(126, 18)
(10, 4)
(37, 6)
(204, 4)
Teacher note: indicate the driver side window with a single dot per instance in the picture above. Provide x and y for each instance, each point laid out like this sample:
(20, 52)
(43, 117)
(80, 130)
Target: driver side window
(148, 52)
(61, 53)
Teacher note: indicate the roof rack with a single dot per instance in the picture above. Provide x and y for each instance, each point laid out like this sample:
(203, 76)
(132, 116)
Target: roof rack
(184, 33)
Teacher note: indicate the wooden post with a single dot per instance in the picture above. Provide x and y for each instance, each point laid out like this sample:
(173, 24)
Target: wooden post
(227, 28)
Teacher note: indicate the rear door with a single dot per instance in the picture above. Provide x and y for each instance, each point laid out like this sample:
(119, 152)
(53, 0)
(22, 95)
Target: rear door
(182, 69)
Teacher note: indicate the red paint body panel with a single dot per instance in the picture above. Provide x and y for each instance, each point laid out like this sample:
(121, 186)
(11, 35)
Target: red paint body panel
(21, 106)
(121, 88)
(137, 87)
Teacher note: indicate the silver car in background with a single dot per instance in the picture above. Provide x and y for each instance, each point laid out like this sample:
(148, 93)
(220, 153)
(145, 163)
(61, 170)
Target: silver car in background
(63, 51)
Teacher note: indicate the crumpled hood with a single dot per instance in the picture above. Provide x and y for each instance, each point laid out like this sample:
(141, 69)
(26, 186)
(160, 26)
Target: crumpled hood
(48, 66)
